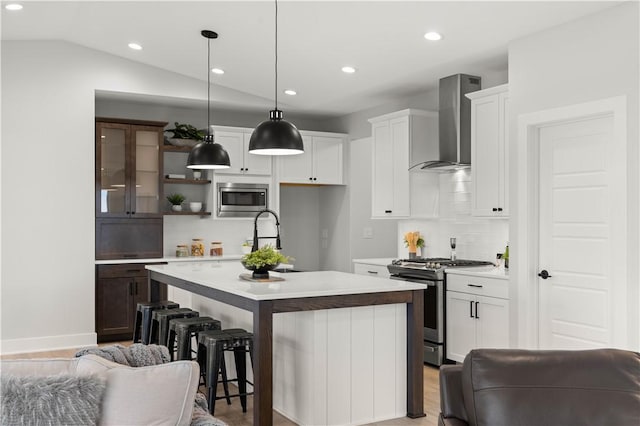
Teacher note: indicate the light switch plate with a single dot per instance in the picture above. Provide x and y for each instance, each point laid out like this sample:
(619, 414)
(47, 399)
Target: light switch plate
(367, 232)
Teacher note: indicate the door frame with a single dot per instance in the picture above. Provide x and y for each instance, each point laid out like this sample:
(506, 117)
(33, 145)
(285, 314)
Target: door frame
(524, 239)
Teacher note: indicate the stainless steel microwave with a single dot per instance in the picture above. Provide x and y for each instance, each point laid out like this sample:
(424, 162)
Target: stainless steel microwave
(242, 199)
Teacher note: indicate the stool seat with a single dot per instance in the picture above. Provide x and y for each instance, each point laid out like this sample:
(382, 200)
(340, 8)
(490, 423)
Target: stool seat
(182, 329)
(160, 322)
(142, 326)
(211, 347)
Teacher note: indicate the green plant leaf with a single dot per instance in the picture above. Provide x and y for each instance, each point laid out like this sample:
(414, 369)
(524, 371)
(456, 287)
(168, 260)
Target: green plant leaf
(266, 255)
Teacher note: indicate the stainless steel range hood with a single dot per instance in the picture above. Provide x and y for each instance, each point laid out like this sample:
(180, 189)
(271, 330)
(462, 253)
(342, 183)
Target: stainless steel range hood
(454, 124)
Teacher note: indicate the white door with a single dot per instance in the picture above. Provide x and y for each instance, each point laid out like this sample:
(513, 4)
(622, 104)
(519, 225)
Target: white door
(579, 242)
(382, 196)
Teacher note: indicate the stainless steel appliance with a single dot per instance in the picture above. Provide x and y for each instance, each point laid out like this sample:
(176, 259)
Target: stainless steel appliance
(242, 199)
(431, 273)
(454, 125)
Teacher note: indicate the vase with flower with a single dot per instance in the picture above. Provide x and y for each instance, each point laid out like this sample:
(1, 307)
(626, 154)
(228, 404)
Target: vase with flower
(413, 240)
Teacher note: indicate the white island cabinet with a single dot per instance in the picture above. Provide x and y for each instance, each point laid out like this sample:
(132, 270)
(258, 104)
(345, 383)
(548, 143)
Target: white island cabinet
(331, 348)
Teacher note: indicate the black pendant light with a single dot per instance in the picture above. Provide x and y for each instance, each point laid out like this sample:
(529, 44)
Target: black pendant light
(208, 154)
(276, 136)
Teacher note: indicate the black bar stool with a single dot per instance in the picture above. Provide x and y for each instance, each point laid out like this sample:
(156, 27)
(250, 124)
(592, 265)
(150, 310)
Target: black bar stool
(160, 323)
(142, 326)
(183, 329)
(211, 347)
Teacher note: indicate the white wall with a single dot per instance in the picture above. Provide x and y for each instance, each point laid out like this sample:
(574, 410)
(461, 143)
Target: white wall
(48, 199)
(592, 58)
(300, 225)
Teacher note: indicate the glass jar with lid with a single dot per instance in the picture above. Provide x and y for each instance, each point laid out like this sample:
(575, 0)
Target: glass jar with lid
(182, 250)
(216, 248)
(197, 247)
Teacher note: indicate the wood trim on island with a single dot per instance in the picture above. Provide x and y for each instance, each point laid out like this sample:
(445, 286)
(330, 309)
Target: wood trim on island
(263, 311)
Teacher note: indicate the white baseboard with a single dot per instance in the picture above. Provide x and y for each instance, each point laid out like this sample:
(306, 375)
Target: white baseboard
(47, 343)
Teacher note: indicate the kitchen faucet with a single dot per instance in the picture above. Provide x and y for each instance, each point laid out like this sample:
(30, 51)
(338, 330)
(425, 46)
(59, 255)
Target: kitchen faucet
(255, 230)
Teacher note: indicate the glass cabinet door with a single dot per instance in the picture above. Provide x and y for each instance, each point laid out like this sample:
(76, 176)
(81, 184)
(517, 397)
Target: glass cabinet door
(113, 177)
(147, 171)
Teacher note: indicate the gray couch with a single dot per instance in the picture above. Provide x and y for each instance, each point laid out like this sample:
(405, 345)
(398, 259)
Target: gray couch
(496, 387)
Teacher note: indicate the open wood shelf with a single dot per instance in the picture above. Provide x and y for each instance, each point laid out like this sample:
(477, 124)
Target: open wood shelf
(188, 181)
(173, 148)
(187, 213)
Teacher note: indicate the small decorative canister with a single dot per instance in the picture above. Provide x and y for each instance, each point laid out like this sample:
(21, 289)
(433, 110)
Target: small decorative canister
(197, 247)
(182, 250)
(216, 248)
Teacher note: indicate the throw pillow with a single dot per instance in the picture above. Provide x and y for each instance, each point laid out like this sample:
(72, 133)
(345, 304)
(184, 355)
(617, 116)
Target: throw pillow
(51, 400)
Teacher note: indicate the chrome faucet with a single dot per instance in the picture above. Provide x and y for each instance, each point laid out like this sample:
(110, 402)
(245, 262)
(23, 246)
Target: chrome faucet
(255, 230)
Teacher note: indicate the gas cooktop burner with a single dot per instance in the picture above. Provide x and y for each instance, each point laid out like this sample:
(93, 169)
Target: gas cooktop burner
(437, 263)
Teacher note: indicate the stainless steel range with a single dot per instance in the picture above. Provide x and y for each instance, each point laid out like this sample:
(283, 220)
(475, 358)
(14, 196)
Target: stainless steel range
(431, 272)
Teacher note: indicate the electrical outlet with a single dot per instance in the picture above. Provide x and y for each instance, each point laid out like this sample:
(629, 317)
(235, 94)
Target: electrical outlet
(325, 233)
(367, 232)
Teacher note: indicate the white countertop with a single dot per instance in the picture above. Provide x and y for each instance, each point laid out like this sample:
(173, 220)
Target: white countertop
(381, 261)
(224, 276)
(481, 271)
(171, 259)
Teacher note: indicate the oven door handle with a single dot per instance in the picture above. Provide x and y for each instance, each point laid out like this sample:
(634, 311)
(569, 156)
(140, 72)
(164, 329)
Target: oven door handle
(428, 283)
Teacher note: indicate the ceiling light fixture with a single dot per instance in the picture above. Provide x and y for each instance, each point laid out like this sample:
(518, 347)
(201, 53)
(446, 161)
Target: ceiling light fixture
(208, 154)
(13, 6)
(135, 46)
(348, 70)
(276, 136)
(218, 71)
(290, 92)
(433, 36)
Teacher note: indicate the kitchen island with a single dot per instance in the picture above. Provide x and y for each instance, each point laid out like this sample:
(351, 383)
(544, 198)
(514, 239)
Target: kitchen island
(363, 310)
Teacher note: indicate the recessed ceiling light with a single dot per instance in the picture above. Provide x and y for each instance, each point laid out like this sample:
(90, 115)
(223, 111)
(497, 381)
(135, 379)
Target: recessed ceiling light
(135, 46)
(217, 71)
(433, 36)
(13, 6)
(348, 69)
(290, 92)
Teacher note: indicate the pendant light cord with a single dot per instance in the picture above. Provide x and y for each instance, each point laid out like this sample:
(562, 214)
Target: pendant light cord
(276, 65)
(208, 86)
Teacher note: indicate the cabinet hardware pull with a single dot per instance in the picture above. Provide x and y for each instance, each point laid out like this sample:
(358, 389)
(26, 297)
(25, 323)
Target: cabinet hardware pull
(494, 209)
(470, 308)
(133, 212)
(429, 349)
(499, 209)
(315, 178)
(138, 293)
(130, 288)
(474, 285)
(477, 310)
(310, 178)
(373, 272)
(129, 255)
(134, 270)
(387, 211)
(128, 212)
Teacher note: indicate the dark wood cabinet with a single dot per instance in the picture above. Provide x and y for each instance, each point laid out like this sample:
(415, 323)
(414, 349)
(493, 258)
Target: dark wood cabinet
(119, 288)
(129, 188)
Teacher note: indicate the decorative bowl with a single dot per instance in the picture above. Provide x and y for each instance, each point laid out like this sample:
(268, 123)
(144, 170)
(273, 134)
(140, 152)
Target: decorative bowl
(261, 272)
(183, 142)
(195, 206)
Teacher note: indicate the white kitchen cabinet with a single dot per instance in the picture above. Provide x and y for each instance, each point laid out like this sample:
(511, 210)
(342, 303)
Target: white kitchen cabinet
(397, 139)
(236, 142)
(476, 318)
(320, 164)
(489, 152)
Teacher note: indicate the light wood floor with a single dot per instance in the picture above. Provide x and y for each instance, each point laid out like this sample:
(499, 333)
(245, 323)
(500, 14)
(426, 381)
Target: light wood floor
(233, 415)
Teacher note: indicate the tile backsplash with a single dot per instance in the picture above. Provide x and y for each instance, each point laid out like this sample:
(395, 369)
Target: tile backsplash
(477, 238)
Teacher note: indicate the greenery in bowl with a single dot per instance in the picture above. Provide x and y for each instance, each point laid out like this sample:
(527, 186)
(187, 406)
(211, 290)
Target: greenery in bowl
(263, 257)
(186, 131)
(176, 199)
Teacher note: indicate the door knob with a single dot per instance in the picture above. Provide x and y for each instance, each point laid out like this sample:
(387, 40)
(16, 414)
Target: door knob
(544, 274)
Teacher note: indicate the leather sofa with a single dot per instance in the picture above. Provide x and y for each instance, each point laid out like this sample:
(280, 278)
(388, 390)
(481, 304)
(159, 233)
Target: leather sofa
(495, 387)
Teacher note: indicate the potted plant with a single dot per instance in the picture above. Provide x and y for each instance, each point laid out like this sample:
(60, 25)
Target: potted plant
(263, 260)
(185, 135)
(413, 240)
(176, 201)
